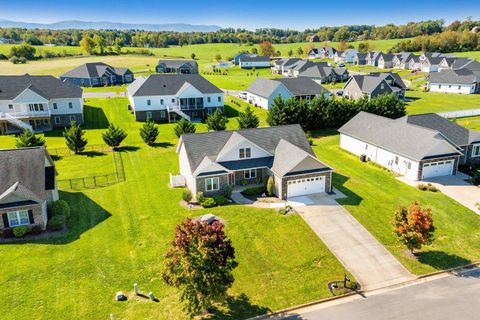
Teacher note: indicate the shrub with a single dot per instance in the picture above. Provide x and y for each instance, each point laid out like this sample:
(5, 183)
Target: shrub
(7, 233)
(208, 202)
(244, 182)
(74, 138)
(36, 229)
(61, 208)
(187, 195)
(270, 186)
(422, 186)
(432, 188)
(114, 136)
(227, 191)
(220, 200)
(20, 231)
(200, 197)
(253, 191)
(29, 139)
(184, 126)
(283, 211)
(17, 60)
(149, 133)
(56, 222)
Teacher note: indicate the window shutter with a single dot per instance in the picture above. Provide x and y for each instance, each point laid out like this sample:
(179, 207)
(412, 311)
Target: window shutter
(30, 216)
(5, 220)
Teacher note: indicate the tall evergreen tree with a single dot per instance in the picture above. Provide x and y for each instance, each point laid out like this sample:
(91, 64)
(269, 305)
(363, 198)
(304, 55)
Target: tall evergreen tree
(74, 138)
(247, 119)
(276, 116)
(217, 121)
(29, 139)
(114, 136)
(184, 126)
(149, 132)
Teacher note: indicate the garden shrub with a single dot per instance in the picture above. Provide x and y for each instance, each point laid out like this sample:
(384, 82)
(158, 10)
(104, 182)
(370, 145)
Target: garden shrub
(432, 188)
(187, 196)
(56, 222)
(61, 208)
(253, 191)
(7, 233)
(227, 191)
(36, 229)
(200, 197)
(20, 231)
(282, 211)
(270, 186)
(208, 202)
(220, 200)
(422, 186)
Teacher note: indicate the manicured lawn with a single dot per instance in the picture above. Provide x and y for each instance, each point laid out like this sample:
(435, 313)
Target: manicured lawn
(373, 195)
(439, 102)
(85, 165)
(121, 88)
(470, 122)
(117, 236)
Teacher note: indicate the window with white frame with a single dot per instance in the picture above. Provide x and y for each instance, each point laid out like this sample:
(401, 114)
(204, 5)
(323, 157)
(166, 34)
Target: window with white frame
(161, 102)
(476, 150)
(250, 174)
(149, 102)
(396, 159)
(219, 99)
(45, 121)
(10, 106)
(72, 118)
(70, 105)
(57, 120)
(212, 184)
(55, 106)
(18, 218)
(173, 100)
(149, 115)
(209, 99)
(244, 153)
(162, 114)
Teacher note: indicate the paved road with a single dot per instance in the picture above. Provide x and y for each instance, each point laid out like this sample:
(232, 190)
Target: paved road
(361, 254)
(448, 298)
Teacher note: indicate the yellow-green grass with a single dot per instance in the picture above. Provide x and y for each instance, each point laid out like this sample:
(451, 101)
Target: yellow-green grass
(374, 194)
(84, 165)
(423, 102)
(118, 235)
(470, 122)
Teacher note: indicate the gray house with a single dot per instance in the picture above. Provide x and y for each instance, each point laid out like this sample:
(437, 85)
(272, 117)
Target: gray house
(373, 85)
(372, 58)
(27, 186)
(360, 59)
(211, 161)
(324, 74)
(96, 74)
(177, 66)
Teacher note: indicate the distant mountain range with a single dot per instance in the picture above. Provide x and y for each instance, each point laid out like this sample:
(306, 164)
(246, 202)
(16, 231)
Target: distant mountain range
(74, 24)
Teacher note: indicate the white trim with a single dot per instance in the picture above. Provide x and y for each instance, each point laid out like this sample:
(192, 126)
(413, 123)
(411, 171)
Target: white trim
(18, 217)
(212, 183)
(250, 171)
(477, 154)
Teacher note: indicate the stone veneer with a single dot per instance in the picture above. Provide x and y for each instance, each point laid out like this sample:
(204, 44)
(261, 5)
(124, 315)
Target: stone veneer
(223, 182)
(468, 156)
(421, 163)
(239, 176)
(327, 175)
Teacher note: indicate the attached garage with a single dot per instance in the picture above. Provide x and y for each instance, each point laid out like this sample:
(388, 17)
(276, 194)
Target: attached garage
(305, 186)
(437, 169)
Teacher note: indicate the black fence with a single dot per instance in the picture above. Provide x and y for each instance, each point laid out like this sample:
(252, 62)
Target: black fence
(65, 152)
(98, 181)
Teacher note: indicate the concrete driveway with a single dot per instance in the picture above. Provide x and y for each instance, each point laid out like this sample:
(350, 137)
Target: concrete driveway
(454, 187)
(360, 253)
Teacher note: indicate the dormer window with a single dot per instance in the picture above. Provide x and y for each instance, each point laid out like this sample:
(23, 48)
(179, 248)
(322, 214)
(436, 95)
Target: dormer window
(245, 153)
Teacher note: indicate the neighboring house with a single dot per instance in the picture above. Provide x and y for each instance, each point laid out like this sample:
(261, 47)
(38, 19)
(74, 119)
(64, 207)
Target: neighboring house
(373, 85)
(372, 58)
(385, 61)
(38, 103)
(360, 59)
(400, 60)
(347, 56)
(27, 186)
(177, 66)
(95, 74)
(324, 74)
(430, 64)
(236, 58)
(300, 66)
(459, 63)
(414, 63)
(262, 92)
(418, 147)
(281, 66)
(321, 53)
(167, 97)
(249, 62)
(314, 38)
(463, 81)
(211, 161)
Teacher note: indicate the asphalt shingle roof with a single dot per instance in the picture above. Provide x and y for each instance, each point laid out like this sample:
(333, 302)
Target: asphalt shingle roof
(47, 86)
(296, 86)
(94, 70)
(170, 63)
(255, 59)
(169, 84)
(460, 76)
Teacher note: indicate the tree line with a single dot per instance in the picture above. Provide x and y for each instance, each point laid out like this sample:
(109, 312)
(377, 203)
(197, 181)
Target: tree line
(447, 41)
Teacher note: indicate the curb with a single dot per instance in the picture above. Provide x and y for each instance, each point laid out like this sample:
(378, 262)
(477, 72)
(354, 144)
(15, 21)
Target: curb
(309, 304)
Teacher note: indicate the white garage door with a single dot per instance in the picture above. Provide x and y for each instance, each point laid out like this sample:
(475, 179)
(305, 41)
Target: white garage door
(301, 187)
(437, 169)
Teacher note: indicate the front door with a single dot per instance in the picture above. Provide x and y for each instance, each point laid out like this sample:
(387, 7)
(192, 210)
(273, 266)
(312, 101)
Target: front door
(231, 179)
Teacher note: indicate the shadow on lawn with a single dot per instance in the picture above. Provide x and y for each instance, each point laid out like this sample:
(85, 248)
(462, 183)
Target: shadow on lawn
(128, 149)
(95, 118)
(441, 260)
(352, 198)
(85, 215)
(229, 111)
(238, 307)
(162, 145)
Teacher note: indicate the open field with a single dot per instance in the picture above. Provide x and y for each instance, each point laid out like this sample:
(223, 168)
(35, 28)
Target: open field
(117, 235)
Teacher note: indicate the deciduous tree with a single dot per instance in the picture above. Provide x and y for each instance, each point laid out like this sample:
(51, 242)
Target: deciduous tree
(267, 49)
(87, 44)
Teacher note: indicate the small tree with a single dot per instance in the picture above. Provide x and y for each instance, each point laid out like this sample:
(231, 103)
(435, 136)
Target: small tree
(200, 262)
(114, 136)
(184, 126)
(29, 139)
(74, 138)
(193, 55)
(290, 52)
(414, 226)
(300, 51)
(267, 49)
(218, 57)
(247, 119)
(270, 186)
(149, 132)
(217, 121)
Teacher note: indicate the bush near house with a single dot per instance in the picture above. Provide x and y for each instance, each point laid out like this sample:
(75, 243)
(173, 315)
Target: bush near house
(254, 190)
(199, 197)
(187, 196)
(56, 223)
(208, 202)
(220, 200)
(61, 208)
(20, 231)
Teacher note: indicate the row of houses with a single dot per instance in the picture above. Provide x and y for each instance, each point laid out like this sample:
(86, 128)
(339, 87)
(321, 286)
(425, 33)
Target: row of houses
(321, 72)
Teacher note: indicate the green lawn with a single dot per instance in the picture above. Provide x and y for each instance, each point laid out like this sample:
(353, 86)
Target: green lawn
(373, 195)
(470, 122)
(86, 165)
(121, 88)
(117, 236)
(423, 102)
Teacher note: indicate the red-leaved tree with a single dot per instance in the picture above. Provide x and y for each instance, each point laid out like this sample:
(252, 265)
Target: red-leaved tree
(414, 226)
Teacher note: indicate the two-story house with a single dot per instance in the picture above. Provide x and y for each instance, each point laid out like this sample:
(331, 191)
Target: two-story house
(211, 161)
(97, 74)
(27, 186)
(38, 103)
(167, 97)
(177, 66)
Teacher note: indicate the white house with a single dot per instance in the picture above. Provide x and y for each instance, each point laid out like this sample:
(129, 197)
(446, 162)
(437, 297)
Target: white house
(462, 81)
(250, 62)
(262, 92)
(38, 103)
(167, 97)
(347, 56)
(418, 147)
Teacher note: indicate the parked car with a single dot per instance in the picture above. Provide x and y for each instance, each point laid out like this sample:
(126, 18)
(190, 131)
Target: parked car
(242, 95)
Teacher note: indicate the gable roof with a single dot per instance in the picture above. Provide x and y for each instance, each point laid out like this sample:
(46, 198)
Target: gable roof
(459, 76)
(367, 83)
(254, 59)
(286, 61)
(169, 84)
(459, 135)
(93, 70)
(361, 55)
(387, 76)
(23, 170)
(170, 63)
(398, 136)
(296, 86)
(47, 86)
(210, 144)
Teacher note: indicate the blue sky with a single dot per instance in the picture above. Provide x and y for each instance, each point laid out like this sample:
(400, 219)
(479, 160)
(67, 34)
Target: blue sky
(244, 13)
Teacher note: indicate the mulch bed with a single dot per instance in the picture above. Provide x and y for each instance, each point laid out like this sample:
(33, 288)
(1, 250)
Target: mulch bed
(190, 206)
(32, 237)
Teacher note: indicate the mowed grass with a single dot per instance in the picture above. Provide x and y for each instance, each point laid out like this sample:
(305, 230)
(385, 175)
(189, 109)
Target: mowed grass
(374, 194)
(84, 165)
(423, 102)
(470, 122)
(118, 235)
